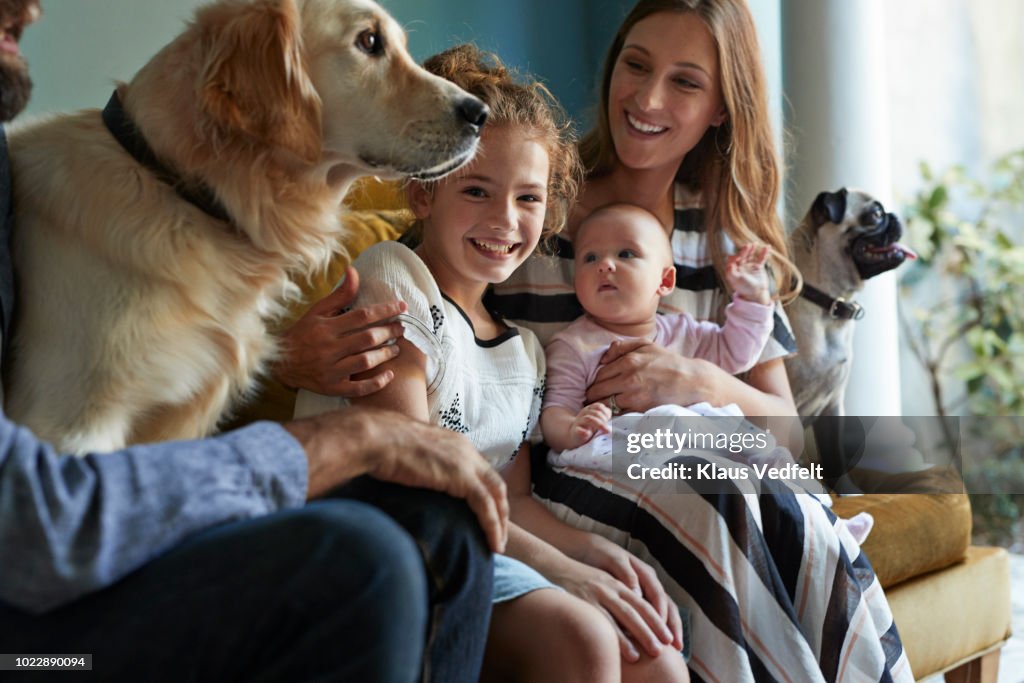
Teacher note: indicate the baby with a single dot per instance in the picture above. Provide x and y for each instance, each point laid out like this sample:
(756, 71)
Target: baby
(623, 262)
(623, 268)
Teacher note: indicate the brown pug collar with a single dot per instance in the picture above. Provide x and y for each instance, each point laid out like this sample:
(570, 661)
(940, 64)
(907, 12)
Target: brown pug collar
(837, 308)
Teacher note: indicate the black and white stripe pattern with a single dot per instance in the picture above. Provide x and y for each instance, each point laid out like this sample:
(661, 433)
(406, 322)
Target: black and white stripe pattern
(776, 591)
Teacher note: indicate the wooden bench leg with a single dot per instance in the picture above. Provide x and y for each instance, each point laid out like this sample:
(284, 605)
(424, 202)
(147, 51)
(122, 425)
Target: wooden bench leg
(984, 669)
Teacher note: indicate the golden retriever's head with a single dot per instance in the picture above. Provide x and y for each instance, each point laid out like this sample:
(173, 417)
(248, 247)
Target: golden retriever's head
(379, 106)
(331, 82)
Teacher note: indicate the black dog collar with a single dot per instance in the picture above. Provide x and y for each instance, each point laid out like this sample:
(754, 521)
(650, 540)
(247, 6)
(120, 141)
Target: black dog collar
(124, 131)
(837, 308)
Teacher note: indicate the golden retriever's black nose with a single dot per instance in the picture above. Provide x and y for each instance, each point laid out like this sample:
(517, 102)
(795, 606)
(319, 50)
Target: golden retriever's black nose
(473, 111)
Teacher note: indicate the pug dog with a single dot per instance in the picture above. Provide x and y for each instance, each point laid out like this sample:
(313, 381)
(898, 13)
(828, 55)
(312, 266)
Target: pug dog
(846, 238)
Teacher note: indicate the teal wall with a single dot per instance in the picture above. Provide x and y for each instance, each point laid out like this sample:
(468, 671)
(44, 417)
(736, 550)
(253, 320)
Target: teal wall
(81, 47)
(560, 41)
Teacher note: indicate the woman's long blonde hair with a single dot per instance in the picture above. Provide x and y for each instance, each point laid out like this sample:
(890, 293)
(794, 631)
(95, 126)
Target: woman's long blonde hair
(735, 166)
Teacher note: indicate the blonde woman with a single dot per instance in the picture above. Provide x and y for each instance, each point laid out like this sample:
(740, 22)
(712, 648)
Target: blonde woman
(776, 589)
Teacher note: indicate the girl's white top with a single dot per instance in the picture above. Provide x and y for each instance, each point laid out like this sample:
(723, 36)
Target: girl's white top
(489, 390)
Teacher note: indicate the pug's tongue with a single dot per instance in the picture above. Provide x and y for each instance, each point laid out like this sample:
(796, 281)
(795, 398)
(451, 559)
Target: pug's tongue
(8, 43)
(895, 246)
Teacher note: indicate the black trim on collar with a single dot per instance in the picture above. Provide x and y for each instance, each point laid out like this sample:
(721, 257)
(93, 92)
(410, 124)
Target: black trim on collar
(125, 132)
(838, 308)
(509, 333)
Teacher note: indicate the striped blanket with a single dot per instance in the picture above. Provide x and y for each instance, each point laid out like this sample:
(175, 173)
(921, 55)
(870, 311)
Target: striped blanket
(776, 590)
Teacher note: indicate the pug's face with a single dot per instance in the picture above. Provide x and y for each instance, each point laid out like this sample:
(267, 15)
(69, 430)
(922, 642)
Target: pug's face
(858, 226)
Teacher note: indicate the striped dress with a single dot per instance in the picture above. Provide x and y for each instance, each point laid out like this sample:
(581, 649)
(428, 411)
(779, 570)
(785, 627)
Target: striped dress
(777, 591)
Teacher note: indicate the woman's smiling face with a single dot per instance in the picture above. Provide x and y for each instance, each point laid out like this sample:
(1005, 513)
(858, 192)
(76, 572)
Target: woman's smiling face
(665, 90)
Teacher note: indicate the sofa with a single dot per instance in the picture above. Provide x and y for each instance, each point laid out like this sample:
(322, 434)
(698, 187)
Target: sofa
(950, 599)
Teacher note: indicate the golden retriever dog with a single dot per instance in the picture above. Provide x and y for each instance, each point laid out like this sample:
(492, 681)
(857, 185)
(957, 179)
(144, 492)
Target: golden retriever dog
(149, 263)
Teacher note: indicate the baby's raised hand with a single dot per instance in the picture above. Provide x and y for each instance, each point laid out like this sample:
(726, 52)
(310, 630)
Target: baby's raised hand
(590, 422)
(746, 274)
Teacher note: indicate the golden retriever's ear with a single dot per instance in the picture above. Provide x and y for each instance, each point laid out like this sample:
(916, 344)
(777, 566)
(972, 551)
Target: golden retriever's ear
(253, 79)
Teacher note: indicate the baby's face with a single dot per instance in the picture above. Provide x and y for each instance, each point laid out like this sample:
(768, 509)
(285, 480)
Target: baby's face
(623, 263)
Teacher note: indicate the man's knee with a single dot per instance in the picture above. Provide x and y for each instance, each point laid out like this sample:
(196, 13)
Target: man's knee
(415, 507)
(454, 516)
(447, 531)
(457, 549)
(357, 557)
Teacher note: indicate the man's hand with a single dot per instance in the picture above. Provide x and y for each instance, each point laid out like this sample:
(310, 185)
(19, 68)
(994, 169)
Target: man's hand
(746, 275)
(326, 347)
(345, 444)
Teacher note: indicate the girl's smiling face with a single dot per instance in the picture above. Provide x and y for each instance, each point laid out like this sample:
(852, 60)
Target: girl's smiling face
(481, 222)
(665, 90)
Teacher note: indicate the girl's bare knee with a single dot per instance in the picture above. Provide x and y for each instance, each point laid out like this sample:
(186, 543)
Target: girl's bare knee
(668, 666)
(577, 630)
(596, 637)
(563, 638)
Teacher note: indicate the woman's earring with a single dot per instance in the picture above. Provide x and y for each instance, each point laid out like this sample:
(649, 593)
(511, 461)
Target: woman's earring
(718, 145)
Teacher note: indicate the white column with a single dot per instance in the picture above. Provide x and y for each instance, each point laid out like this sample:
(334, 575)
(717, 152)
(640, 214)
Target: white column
(836, 114)
(768, 19)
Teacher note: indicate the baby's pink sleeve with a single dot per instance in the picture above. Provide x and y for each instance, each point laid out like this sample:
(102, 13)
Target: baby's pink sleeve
(566, 383)
(736, 345)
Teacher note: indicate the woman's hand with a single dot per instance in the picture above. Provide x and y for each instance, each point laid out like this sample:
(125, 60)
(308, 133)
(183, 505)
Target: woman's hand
(642, 375)
(638, 576)
(326, 347)
(635, 619)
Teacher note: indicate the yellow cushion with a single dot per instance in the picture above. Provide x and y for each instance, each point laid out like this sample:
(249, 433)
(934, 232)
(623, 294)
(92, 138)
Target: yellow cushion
(372, 193)
(944, 617)
(914, 533)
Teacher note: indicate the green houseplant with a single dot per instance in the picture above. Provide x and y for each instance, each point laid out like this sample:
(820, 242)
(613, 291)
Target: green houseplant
(963, 319)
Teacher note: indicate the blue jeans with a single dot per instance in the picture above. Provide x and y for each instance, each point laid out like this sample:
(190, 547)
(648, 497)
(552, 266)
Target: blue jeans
(339, 590)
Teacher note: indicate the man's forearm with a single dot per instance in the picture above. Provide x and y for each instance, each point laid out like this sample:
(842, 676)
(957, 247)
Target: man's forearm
(335, 445)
